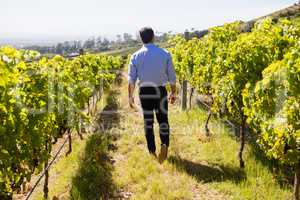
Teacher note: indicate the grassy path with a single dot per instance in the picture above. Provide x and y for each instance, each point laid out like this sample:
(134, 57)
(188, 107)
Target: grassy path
(113, 162)
(141, 176)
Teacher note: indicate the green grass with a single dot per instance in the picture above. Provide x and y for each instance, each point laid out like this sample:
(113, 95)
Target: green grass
(221, 167)
(93, 179)
(121, 52)
(62, 172)
(115, 164)
(195, 161)
(86, 172)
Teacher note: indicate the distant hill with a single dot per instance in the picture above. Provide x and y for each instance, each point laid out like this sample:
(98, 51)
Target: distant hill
(22, 42)
(289, 12)
(40, 40)
(292, 11)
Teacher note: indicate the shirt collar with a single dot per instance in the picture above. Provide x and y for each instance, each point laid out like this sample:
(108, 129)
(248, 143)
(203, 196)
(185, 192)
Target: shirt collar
(149, 45)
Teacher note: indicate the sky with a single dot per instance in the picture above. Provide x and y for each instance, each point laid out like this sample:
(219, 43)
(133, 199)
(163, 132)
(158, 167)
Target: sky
(83, 18)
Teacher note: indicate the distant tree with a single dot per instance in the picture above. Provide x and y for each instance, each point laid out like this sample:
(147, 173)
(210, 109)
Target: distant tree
(78, 45)
(89, 44)
(119, 38)
(99, 42)
(66, 46)
(105, 44)
(59, 49)
(95, 44)
(127, 37)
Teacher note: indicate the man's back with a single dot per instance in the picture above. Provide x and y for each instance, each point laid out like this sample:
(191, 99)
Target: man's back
(152, 66)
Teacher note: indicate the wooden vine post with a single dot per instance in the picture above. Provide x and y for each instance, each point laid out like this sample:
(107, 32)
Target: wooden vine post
(184, 84)
(207, 131)
(70, 141)
(297, 182)
(46, 182)
(242, 140)
(191, 97)
(184, 95)
(46, 189)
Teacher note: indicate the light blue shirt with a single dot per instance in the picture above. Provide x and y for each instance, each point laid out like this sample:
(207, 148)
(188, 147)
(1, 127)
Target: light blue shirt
(151, 66)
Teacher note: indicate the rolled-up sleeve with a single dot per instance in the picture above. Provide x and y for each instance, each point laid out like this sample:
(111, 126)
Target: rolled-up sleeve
(132, 71)
(170, 70)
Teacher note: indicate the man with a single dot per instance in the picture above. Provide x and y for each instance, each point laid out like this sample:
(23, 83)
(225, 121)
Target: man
(153, 68)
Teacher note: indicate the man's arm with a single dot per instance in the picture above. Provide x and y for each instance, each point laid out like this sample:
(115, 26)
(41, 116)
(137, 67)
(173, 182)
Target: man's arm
(172, 79)
(132, 77)
(131, 88)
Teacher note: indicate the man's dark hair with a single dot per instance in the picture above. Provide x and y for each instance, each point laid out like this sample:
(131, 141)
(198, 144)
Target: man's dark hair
(146, 34)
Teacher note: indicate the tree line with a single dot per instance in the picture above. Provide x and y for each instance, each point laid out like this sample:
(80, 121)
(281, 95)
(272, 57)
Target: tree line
(95, 44)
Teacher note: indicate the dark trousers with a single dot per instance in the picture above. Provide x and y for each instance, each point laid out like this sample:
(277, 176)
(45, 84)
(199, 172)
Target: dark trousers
(155, 100)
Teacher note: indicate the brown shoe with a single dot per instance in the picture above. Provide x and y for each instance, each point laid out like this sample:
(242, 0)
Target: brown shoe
(153, 154)
(163, 153)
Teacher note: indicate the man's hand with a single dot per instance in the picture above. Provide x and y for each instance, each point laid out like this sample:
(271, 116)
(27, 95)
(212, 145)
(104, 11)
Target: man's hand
(131, 102)
(131, 87)
(172, 98)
